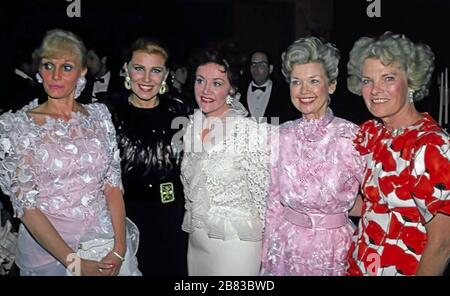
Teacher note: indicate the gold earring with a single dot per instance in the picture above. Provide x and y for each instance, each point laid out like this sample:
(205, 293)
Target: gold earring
(164, 88)
(127, 82)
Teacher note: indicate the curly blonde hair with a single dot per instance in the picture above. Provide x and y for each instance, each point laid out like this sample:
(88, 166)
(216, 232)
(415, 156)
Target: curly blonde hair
(416, 59)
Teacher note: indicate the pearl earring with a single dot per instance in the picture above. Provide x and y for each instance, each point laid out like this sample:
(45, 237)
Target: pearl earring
(411, 96)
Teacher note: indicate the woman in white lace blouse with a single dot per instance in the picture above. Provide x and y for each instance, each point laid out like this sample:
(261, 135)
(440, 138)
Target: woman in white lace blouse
(224, 173)
(60, 165)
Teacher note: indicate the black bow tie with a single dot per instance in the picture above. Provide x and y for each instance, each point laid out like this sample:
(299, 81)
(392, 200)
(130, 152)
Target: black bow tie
(262, 88)
(102, 80)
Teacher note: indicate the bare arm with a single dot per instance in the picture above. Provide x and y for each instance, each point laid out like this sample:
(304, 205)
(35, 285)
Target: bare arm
(357, 207)
(114, 200)
(49, 238)
(44, 232)
(437, 250)
(116, 206)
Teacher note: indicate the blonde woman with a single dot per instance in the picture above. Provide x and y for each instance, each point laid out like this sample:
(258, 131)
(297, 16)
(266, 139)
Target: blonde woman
(60, 166)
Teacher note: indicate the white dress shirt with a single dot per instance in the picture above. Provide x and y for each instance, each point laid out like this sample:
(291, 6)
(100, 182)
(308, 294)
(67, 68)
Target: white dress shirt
(257, 100)
(101, 86)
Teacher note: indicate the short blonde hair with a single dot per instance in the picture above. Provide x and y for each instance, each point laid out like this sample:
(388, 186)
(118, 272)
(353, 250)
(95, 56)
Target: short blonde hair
(416, 59)
(310, 50)
(58, 40)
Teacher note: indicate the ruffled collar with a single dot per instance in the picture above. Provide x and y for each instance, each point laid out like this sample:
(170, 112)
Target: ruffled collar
(219, 127)
(236, 109)
(313, 130)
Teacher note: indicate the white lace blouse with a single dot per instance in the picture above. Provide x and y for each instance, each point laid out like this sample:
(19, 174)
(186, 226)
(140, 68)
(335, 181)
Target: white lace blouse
(226, 178)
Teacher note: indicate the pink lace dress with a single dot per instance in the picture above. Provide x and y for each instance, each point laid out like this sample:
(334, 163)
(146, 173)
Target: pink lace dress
(315, 177)
(61, 168)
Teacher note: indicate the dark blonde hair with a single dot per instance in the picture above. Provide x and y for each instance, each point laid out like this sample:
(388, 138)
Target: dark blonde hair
(149, 46)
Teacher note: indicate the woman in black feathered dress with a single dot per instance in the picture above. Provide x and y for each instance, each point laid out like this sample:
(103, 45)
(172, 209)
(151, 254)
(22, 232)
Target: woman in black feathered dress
(151, 157)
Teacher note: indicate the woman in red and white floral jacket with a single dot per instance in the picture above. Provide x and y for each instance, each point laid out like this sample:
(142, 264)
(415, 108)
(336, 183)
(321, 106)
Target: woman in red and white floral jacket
(405, 223)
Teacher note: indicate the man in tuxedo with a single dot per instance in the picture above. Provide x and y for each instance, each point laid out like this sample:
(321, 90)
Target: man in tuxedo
(99, 78)
(267, 98)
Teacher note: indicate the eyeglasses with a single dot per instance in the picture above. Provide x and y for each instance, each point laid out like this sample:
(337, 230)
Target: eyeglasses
(261, 64)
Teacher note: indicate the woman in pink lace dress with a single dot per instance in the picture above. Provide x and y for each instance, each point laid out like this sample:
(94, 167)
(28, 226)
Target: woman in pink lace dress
(315, 172)
(59, 164)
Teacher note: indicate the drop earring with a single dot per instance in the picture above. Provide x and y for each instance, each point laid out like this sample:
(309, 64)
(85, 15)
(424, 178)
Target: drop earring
(81, 83)
(164, 88)
(127, 82)
(411, 96)
(39, 77)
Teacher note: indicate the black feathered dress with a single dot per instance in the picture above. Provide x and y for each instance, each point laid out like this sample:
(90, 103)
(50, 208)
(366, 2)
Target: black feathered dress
(151, 177)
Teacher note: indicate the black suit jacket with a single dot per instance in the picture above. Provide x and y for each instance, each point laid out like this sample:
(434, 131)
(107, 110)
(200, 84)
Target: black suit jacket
(279, 105)
(116, 84)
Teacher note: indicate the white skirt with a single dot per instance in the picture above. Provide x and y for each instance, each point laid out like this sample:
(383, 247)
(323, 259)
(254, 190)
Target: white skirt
(216, 257)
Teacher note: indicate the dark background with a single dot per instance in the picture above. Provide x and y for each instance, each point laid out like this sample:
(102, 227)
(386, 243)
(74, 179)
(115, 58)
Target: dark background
(186, 25)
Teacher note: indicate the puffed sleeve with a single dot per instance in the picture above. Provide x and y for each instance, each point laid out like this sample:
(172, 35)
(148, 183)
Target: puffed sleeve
(258, 173)
(18, 179)
(113, 173)
(274, 207)
(366, 137)
(353, 160)
(430, 175)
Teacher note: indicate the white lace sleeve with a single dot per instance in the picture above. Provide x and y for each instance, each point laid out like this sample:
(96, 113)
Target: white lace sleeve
(17, 177)
(113, 175)
(258, 173)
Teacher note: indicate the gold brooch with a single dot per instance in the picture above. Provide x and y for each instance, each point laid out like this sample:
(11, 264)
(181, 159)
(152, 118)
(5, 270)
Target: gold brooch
(167, 192)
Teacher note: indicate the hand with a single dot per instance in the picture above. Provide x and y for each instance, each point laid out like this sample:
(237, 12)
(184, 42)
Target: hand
(114, 261)
(95, 268)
